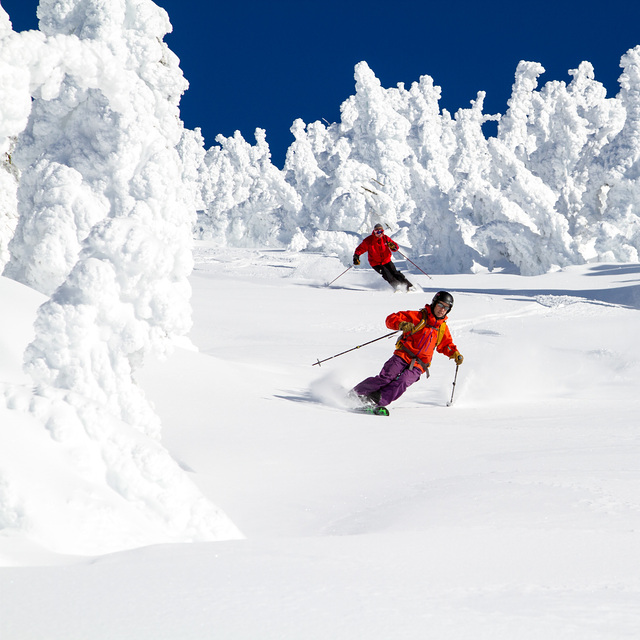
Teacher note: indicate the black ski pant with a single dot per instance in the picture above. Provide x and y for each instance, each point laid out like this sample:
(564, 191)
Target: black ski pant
(392, 275)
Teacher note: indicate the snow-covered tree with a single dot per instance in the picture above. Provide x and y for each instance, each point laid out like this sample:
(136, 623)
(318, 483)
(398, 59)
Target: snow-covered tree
(107, 205)
(506, 211)
(102, 193)
(8, 203)
(15, 103)
(611, 219)
(556, 186)
(249, 202)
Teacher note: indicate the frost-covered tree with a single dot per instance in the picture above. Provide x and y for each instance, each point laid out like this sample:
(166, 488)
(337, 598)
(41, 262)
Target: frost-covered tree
(15, 103)
(192, 154)
(605, 118)
(611, 227)
(513, 127)
(249, 202)
(303, 171)
(506, 211)
(378, 132)
(445, 190)
(570, 125)
(8, 203)
(361, 171)
(534, 196)
(127, 292)
(558, 134)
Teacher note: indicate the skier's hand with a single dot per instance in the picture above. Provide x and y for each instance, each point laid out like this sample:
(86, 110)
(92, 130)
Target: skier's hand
(457, 357)
(392, 245)
(356, 259)
(406, 327)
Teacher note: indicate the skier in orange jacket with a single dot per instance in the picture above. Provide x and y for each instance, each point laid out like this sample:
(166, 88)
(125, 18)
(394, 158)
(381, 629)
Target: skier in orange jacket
(378, 248)
(423, 332)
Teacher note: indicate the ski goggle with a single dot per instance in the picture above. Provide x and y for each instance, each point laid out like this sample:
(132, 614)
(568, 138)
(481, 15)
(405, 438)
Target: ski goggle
(378, 232)
(444, 305)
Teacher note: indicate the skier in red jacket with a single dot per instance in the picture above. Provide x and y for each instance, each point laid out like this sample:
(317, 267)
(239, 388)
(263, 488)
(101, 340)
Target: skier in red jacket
(423, 332)
(378, 248)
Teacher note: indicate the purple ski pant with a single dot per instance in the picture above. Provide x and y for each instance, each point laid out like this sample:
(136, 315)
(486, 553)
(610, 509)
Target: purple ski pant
(391, 382)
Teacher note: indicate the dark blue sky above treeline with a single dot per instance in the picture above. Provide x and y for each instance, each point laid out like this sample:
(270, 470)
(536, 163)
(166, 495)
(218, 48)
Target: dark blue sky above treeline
(263, 64)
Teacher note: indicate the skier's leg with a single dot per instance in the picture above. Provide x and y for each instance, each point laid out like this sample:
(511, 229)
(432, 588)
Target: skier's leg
(390, 370)
(397, 387)
(397, 275)
(384, 272)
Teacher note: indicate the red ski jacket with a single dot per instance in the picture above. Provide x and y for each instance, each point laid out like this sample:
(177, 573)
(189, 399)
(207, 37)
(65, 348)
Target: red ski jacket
(430, 334)
(377, 248)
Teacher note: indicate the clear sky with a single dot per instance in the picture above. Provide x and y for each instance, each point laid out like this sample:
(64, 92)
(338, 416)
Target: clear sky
(264, 63)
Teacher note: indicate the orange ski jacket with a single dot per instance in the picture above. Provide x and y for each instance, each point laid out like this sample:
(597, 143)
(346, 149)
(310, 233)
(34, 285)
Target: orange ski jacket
(377, 248)
(416, 348)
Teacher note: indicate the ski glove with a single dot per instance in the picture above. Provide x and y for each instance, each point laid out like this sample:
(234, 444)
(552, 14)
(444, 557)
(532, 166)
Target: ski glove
(392, 245)
(406, 327)
(356, 259)
(457, 357)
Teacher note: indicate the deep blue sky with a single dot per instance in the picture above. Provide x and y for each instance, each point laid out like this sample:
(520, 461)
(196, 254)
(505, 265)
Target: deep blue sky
(264, 63)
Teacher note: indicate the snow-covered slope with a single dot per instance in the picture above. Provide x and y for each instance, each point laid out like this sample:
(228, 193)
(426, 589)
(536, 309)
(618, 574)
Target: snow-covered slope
(513, 513)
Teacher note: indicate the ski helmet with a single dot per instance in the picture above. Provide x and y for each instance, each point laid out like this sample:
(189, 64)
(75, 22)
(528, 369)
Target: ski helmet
(442, 296)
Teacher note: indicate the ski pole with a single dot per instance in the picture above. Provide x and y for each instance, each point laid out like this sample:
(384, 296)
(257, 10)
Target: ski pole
(412, 262)
(415, 265)
(454, 386)
(345, 271)
(388, 335)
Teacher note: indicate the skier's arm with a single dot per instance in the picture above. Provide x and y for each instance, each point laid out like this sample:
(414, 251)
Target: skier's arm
(393, 321)
(446, 346)
(363, 247)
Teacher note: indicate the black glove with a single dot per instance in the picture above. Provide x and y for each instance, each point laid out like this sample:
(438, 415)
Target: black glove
(356, 259)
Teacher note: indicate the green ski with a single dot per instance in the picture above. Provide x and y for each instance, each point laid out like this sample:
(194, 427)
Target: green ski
(376, 411)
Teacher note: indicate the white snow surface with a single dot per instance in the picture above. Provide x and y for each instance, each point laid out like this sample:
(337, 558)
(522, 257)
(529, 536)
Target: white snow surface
(513, 513)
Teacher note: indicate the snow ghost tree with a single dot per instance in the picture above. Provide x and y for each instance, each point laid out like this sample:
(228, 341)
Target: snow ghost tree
(107, 201)
(15, 103)
(554, 187)
(121, 214)
(613, 191)
(356, 173)
(8, 203)
(248, 201)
